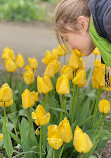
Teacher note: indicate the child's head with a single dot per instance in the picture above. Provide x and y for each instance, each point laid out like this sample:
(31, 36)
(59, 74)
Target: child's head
(72, 24)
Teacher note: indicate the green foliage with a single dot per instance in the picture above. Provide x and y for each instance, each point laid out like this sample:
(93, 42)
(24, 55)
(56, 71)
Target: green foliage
(21, 10)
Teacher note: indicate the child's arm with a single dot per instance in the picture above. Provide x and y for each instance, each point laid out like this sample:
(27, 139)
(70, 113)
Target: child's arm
(107, 20)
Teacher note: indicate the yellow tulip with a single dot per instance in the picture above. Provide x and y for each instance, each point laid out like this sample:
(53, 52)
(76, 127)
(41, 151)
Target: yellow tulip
(28, 77)
(27, 99)
(5, 93)
(10, 65)
(7, 104)
(81, 142)
(19, 61)
(28, 68)
(104, 106)
(54, 137)
(95, 83)
(96, 51)
(37, 132)
(80, 79)
(33, 63)
(61, 50)
(62, 85)
(44, 84)
(40, 116)
(35, 96)
(65, 130)
(49, 57)
(82, 64)
(1, 136)
(68, 71)
(74, 61)
(52, 68)
(99, 76)
(8, 53)
(77, 52)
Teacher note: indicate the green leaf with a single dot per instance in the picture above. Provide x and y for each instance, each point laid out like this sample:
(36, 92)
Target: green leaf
(88, 73)
(7, 140)
(92, 156)
(50, 151)
(102, 143)
(17, 139)
(1, 156)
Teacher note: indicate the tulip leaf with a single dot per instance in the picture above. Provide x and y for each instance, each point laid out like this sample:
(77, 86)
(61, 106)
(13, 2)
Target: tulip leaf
(88, 73)
(92, 156)
(17, 139)
(1, 156)
(25, 139)
(7, 140)
(102, 143)
(50, 151)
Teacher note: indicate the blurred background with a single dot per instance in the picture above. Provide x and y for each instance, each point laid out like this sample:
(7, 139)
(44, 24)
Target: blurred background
(26, 26)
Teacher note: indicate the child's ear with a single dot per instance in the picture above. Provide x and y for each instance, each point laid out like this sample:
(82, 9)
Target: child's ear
(83, 23)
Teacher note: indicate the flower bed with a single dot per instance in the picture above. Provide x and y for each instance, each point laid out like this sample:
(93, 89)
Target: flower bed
(54, 115)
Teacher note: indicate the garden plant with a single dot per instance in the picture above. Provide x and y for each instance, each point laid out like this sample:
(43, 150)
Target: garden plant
(54, 115)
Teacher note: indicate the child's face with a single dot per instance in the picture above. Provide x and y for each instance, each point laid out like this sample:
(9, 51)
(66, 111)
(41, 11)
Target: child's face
(80, 40)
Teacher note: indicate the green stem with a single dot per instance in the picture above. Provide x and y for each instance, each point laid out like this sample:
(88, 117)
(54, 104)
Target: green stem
(73, 104)
(20, 79)
(62, 108)
(61, 151)
(40, 142)
(92, 107)
(81, 155)
(96, 107)
(29, 119)
(53, 153)
(65, 107)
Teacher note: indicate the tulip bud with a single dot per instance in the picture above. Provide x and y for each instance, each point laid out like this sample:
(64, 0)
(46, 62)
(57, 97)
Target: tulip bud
(40, 116)
(104, 106)
(27, 68)
(96, 51)
(80, 79)
(81, 142)
(28, 77)
(27, 99)
(74, 61)
(33, 63)
(61, 50)
(8, 53)
(54, 137)
(19, 61)
(37, 132)
(10, 65)
(1, 136)
(65, 130)
(68, 71)
(44, 84)
(5, 93)
(35, 96)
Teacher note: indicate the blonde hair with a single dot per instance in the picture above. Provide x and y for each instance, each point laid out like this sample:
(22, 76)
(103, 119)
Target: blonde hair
(67, 13)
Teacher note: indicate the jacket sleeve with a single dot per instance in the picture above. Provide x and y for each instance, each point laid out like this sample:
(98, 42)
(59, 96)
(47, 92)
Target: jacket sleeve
(107, 20)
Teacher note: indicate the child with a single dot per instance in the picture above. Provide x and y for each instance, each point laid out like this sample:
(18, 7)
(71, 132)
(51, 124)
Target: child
(74, 24)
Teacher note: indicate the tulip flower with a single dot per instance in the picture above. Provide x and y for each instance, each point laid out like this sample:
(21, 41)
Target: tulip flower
(1, 136)
(98, 76)
(35, 96)
(44, 84)
(27, 99)
(77, 52)
(52, 68)
(19, 61)
(10, 65)
(5, 93)
(54, 138)
(40, 116)
(80, 79)
(7, 104)
(74, 61)
(28, 68)
(82, 64)
(81, 142)
(28, 77)
(96, 51)
(68, 71)
(8, 53)
(65, 130)
(49, 57)
(62, 85)
(61, 50)
(33, 63)
(95, 83)
(104, 106)
(37, 132)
